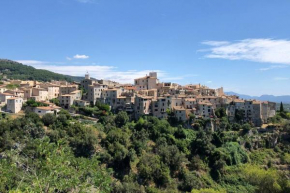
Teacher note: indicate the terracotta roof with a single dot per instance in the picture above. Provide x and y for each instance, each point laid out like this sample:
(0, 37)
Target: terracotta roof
(13, 98)
(238, 100)
(7, 94)
(210, 97)
(129, 88)
(143, 77)
(48, 108)
(179, 108)
(76, 91)
(190, 99)
(205, 103)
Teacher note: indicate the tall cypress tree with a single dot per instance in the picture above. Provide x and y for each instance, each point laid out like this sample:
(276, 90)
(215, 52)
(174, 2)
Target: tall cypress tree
(281, 107)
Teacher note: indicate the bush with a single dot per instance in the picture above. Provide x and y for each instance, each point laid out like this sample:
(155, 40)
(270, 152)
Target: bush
(48, 119)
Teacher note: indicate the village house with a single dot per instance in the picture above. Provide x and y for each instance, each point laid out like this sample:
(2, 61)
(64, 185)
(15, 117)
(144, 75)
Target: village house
(95, 92)
(46, 109)
(147, 82)
(142, 105)
(181, 113)
(160, 106)
(39, 94)
(81, 103)
(205, 109)
(5, 96)
(85, 83)
(14, 104)
(67, 89)
(67, 100)
(3, 88)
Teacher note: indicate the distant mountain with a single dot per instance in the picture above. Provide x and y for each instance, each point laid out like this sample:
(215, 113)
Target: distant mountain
(272, 98)
(16, 70)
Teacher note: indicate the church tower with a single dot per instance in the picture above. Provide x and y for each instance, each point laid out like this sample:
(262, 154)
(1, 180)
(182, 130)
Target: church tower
(87, 75)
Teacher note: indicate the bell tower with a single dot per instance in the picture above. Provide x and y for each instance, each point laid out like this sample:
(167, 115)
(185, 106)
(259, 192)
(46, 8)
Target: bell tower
(87, 75)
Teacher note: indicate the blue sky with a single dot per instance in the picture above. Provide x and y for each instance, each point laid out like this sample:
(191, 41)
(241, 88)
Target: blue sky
(243, 46)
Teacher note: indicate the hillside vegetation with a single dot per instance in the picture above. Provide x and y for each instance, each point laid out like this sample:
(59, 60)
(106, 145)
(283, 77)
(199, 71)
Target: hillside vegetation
(70, 154)
(15, 70)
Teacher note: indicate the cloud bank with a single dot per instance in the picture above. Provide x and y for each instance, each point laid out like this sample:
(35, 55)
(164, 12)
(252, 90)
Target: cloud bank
(96, 71)
(257, 50)
(78, 56)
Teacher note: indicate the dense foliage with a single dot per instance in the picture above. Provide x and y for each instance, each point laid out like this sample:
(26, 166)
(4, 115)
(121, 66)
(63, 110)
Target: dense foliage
(15, 70)
(69, 154)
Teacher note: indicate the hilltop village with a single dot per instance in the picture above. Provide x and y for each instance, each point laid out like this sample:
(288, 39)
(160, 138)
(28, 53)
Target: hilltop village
(147, 96)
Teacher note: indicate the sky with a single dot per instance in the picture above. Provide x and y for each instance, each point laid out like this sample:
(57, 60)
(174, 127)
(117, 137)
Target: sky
(243, 46)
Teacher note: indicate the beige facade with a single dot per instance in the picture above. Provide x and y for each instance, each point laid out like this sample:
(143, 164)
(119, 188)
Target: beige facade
(142, 105)
(67, 100)
(81, 103)
(85, 83)
(14, 104)
(190, 103)
(205, 110)
(160, 106)
(67, 89)
(181, 113)
(167, 88)
(45, 110)
(95, 92)
(27, 93)
(52, 89)
(5, 96)
(39, 94)
(2, 89)
(147, 82)
(176, 102)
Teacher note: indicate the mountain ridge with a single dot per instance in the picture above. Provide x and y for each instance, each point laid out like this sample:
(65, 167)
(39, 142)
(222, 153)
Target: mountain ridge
(264, 97)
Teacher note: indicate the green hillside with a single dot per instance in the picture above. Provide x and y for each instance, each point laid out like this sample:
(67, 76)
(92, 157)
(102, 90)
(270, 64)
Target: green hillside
(15, 70)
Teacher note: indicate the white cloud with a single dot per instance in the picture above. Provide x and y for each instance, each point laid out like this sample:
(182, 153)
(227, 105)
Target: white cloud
(215, 43)
(96, 71)
(68, 58)
(31, 62)
(257, 50)
(281, 78)
(272, 67)
(78, 56)
(209, 82)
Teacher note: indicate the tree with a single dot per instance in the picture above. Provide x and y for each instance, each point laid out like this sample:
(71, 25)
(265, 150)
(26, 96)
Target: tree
(121, 119)
(82, 140)
(239, 115)
(220, 112)
(246, 128)
(151, 168)
(266, 181)
(172, 157)
(281, 107)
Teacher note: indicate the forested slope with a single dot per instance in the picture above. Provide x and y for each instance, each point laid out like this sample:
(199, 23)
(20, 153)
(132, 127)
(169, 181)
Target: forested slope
(71, 154)
(15, 70)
